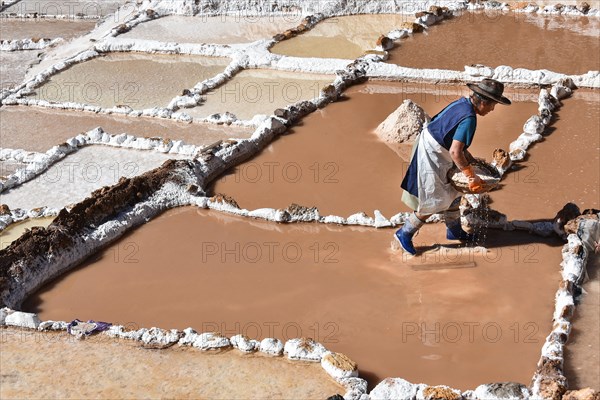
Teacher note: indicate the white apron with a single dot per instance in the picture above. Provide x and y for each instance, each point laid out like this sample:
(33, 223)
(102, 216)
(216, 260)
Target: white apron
(434, 161)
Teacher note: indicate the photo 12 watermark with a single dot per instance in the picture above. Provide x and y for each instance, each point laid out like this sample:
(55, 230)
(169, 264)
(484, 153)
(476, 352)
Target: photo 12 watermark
(437, 333)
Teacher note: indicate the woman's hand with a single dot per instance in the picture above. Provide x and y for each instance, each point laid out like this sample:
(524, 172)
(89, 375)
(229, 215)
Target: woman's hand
(475, 184)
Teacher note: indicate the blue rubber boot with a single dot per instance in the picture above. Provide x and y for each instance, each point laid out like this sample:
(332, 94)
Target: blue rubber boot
(453, 229)
(405, 235)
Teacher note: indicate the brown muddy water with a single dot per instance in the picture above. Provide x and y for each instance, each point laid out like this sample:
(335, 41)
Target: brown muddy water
(14, 231)
(451, 316)
(346, 37)
(335, 162)
(564, 167)
(12, 29)
(224, 29)
(136, 80)
(253, 92)
(39, 129)
(495, 39)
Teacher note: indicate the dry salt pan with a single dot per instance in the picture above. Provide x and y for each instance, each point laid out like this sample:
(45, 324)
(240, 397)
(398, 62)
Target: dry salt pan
(65, 8)
(224, 29)
(14, 66)
(74, 177)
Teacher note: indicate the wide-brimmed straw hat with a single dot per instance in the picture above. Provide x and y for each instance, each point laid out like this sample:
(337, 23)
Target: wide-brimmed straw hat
(490, 89)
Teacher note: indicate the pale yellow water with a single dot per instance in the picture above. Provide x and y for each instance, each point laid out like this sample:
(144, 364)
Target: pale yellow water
(252, 92)
(14, 231)
(346, 37)
(136, 80)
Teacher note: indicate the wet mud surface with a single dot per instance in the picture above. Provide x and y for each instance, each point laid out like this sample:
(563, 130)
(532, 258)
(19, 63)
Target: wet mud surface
(582, 353)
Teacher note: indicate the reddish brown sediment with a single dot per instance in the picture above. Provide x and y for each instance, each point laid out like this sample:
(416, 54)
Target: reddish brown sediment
(495, 39)
(17, 29)
(564, 167)
(38, 129)
(336, 162)
(342, 286)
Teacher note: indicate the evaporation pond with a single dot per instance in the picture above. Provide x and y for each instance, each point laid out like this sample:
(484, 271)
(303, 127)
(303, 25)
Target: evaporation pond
(252, 92)
(336, 162)
(510, 39)
(343, 286)
(224, 29)
(39, 129)
(77, 175)
(17, 29)
(346, 37)
(136, 80)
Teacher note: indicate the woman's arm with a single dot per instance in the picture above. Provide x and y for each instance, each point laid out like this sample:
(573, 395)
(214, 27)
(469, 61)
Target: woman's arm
(459, 154)
(469, 156)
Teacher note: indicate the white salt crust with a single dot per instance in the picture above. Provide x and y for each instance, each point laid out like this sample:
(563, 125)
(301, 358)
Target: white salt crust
(28, 44)
(19, 215)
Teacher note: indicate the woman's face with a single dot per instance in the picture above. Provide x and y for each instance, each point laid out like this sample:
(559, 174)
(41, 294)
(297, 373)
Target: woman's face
(485, 107)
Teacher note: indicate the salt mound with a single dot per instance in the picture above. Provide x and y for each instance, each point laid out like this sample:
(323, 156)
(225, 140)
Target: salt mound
(403, 125)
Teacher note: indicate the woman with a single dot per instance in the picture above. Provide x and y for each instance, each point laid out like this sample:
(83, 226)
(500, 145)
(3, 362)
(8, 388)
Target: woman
(443, 143)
